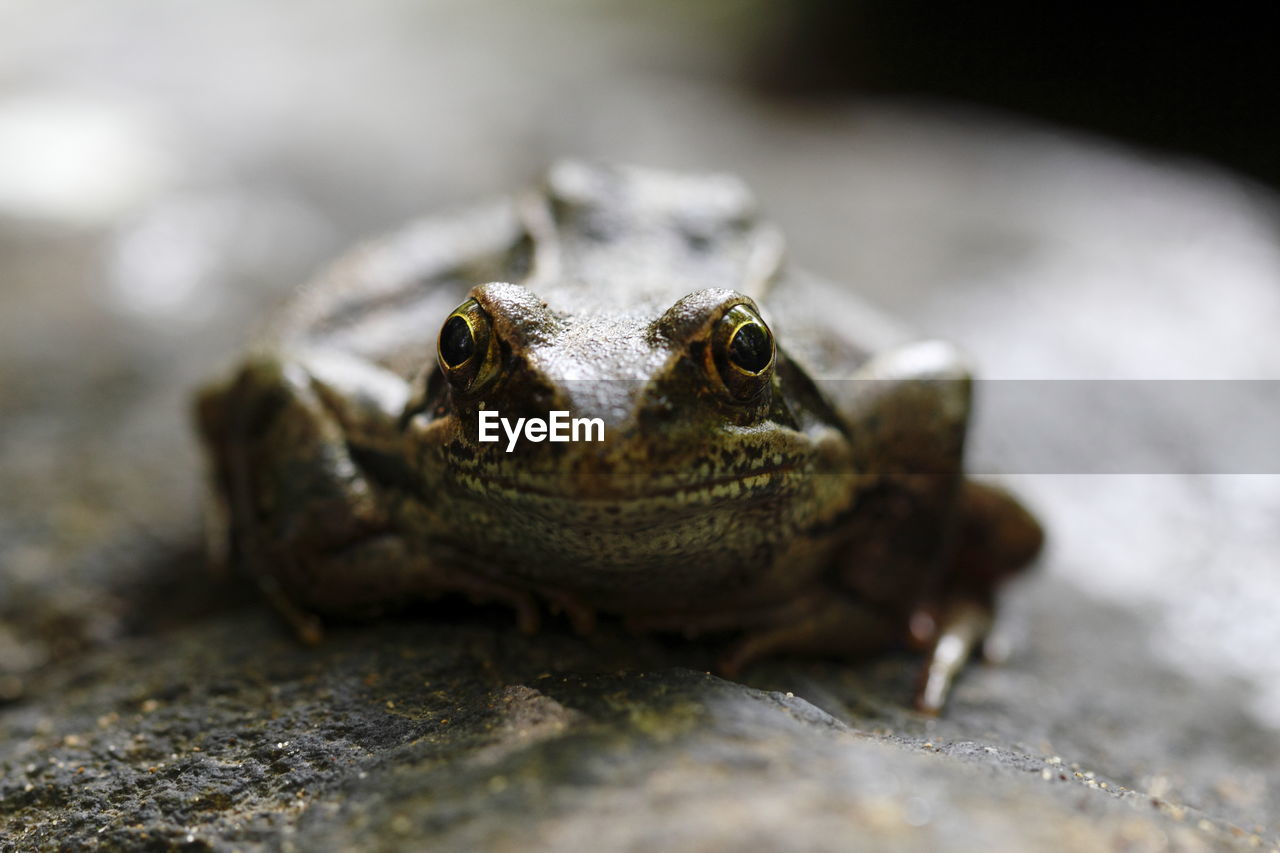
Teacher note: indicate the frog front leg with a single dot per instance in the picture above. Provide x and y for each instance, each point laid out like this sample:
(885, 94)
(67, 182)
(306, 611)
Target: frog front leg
(289, 439)
(952, 542)
(997, 538)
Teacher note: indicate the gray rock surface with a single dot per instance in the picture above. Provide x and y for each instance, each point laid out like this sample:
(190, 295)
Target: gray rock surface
(147, 705)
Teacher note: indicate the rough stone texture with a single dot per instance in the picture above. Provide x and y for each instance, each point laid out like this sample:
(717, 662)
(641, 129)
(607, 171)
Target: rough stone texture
(460, 731)
(147, 705)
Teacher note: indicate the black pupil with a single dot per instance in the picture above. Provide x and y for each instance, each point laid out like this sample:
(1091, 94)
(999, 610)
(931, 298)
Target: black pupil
(456, 342)
(750, 348)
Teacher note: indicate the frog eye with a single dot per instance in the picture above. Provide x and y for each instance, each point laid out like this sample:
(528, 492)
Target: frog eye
(743, 352)
(467, 348)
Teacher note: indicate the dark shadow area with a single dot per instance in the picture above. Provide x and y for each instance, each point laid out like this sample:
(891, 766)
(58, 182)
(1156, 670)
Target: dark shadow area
(1194, 78)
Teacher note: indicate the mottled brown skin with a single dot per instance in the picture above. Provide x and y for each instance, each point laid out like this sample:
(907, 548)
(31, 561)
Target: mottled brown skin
(816, 505)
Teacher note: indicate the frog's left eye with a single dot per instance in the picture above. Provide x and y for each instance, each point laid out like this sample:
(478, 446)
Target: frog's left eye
(743, 352)
(467, 349)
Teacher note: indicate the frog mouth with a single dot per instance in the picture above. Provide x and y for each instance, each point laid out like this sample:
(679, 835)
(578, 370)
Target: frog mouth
(605, 488)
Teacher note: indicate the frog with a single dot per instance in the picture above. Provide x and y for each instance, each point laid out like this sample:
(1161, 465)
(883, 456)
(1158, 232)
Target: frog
(778, 466)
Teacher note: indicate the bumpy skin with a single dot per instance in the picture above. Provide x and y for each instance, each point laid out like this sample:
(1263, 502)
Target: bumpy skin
(827, 513)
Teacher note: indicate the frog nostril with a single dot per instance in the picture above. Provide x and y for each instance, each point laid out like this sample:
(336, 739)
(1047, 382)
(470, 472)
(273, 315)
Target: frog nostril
(457, 343)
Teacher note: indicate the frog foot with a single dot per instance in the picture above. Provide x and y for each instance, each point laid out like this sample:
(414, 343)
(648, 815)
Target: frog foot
(998, 538)
(375, 574)
(848, 629)
(833, 626)
(692, 625)
(580, 616)
(963, 626)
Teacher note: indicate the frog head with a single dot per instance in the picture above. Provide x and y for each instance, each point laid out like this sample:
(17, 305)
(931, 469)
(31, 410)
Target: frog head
(694, 402)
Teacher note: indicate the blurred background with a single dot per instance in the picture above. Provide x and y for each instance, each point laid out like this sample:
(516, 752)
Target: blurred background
(1067, 192)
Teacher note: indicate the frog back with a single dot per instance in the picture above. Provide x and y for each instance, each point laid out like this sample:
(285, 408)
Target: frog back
(592, 240)
(384, 300)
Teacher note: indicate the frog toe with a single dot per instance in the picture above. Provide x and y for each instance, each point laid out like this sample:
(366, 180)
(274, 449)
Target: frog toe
(963, 627)
(839, 627)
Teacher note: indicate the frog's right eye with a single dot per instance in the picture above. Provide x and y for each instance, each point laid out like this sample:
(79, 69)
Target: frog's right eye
(467, 348)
